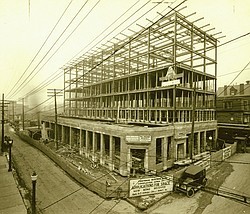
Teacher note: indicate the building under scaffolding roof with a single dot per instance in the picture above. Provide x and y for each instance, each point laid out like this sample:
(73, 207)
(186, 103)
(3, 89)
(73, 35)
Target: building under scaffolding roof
(156, 91)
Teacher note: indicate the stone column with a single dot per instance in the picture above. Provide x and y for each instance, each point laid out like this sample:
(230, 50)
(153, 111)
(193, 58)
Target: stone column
(129, 161)
(102, 162)
(63, 134)
(111, 153)
(146, 161)
(80, 149)
(86, 143)
(123, 158)
(70, 137)
(164, 152)
(198, 143)
(94, 146)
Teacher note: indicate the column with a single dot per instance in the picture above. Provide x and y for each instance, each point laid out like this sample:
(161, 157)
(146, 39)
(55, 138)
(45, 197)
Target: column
(86, 143)
(123, 158)
(129, 163)
(102, 162)
(80, 149)
(94, 146)
(146, 161)
(63, 134)
(164, 153)
(70, 137)
(198, 143)
(111, 153)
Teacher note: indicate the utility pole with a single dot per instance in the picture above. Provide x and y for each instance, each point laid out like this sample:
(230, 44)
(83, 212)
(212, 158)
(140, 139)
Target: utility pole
(56, 92)
(3, 120)
(2, 123)
(23, 113)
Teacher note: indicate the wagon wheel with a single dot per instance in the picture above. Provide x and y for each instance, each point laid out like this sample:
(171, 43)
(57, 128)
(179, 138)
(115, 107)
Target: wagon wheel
(190, 193)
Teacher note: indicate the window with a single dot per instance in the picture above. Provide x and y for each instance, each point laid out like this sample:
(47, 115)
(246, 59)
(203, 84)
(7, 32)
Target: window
(245, 104)
(228, 104)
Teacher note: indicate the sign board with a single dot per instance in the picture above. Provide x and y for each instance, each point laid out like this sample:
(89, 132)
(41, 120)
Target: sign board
(138, 138)
(152, 185)
(226, 152)
(169, 83)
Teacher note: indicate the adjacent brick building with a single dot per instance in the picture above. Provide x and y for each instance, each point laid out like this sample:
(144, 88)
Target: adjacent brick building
(233, 113)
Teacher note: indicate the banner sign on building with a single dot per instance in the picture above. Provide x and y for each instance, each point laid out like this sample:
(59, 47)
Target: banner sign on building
(152, 185)
(138, 138)
(227, 152)
(169, 83)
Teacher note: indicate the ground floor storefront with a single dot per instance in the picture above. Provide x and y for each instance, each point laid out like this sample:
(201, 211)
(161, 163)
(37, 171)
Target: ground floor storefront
(131, 149)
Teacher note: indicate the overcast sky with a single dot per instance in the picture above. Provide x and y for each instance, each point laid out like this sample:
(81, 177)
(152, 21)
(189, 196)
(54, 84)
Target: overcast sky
(25, 25)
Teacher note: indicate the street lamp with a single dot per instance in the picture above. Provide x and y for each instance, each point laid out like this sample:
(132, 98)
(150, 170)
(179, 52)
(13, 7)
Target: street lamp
(33, 204)
(10, 143)
(210, 143)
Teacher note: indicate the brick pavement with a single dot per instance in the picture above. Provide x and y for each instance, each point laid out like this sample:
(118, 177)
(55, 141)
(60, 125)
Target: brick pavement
(11, 201)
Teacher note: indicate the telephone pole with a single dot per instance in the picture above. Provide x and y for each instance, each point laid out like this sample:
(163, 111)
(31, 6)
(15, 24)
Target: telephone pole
(55, 93)
(3, 120)
(23, 113)
(2, 123)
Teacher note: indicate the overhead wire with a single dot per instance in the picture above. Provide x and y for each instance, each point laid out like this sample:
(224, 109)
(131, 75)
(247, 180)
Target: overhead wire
(105, 31)
(113, 30)
(178, 62)
(93, 40)
(17, 90)
(64, 42)
(40, 47)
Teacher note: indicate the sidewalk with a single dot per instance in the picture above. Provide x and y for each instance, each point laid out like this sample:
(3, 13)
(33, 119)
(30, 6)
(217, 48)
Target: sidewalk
(11, 201)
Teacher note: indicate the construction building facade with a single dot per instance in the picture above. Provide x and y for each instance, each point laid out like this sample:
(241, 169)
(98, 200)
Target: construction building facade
(145, 102)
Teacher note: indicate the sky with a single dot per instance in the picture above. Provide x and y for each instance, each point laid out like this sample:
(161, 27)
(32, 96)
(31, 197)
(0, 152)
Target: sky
(26, 25)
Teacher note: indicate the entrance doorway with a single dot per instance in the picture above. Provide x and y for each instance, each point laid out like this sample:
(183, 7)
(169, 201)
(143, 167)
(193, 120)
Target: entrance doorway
(137, 157)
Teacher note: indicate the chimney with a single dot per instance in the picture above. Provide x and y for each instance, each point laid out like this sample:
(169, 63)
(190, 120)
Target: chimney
(248, 82)
(225, 90)
(241, 89)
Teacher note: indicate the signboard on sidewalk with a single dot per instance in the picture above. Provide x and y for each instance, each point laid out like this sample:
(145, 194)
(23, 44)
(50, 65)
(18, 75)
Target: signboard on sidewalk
(151, 185)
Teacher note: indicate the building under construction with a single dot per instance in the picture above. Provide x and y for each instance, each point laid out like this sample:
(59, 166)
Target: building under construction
(146, 102)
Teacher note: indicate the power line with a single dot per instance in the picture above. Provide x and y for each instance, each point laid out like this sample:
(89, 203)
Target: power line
(14, 93)
(40, 47)
(179, 62)
(63, 43)
(137, 19)
(234, 78)
(106, 30)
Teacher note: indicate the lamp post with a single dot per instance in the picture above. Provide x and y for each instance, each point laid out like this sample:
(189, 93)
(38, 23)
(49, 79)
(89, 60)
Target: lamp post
(210, 142)
(10, 143)
(33, 204)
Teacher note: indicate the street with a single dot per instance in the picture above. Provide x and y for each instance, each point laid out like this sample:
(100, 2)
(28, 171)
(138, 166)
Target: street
(236, 178)
(238, 182)
(56, 191)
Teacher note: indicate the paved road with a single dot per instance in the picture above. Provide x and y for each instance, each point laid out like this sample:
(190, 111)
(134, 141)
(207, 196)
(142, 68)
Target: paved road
(53, 185)
(238, 182)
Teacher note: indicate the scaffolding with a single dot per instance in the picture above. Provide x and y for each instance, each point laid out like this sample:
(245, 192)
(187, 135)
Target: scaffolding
(148, 77)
